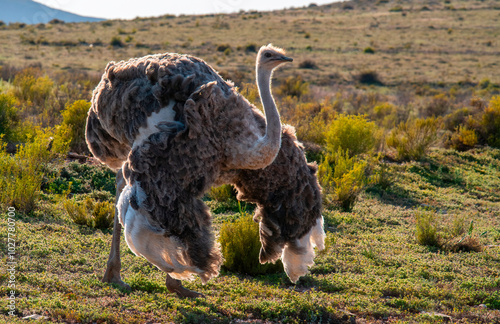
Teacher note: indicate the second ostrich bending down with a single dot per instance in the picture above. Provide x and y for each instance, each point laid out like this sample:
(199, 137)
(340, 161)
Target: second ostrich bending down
(176, 128)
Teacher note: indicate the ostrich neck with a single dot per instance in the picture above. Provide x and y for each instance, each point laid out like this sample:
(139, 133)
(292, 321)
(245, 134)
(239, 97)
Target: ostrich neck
(264, 150)
(273, 123)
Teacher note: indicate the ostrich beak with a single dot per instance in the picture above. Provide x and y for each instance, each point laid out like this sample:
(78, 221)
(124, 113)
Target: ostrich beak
(286, 59)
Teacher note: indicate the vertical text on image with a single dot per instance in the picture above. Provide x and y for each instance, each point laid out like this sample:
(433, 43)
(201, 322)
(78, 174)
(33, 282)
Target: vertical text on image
(11, 259)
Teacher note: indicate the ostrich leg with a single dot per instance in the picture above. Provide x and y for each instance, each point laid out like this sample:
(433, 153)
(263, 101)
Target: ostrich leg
(175, 286)
(114, 265)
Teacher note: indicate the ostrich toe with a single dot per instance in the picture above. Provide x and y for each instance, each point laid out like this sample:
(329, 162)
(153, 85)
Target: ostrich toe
(175, 286)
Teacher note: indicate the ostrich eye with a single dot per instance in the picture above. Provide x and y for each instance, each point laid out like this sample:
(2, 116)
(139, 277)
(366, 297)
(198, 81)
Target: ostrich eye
(268, 55)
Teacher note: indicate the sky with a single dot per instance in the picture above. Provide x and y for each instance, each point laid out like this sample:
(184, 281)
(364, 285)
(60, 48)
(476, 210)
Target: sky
(130, 9)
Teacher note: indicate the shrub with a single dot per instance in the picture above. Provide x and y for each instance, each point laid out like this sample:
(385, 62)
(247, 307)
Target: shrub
(438, 106)
(103, 215)
(462, 139)
(91, 213)
(77, 212)
(369, 50)
(116, 41)
(310, 118)
(382, 176)
(251, 93)
(396, 9)
(429, 232)
(31, 88)
(240, 245)
(222, 193)
(74, 121)
(353, 133)
(251, 48)
(426, 231)
(344, 177)
(223, 47)
(386, 115)
(457, 118)
(80, 179)
(293, 86)
(21, 175)
(308, 64)
(412, 139)
(491, 123)
(9, 117)
(369, 77)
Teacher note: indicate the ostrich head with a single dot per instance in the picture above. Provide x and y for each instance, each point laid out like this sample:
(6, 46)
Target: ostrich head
(270, 57)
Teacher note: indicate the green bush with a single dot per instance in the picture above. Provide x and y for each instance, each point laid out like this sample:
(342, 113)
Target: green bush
(116, 41)
(80, 179)
(74, 121)
(369, 77)
(462, 139)
(91, 213)
(9, 117)
(310, 118)
(412, 139)
(32, 88)
(427, 230)
(432, 231)
(21, 175)
(491, 123)
(369, 50)
(240, 245)
(293, 86)
(344, 177)
(386, 115)
(351, 133)
(222, 193)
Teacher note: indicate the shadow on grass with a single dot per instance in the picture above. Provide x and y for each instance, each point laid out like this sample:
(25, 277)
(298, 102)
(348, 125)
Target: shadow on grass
(395, 195)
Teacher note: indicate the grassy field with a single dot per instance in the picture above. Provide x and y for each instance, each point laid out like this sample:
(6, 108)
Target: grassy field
(418, 41)
(420, 245)
(373, 269)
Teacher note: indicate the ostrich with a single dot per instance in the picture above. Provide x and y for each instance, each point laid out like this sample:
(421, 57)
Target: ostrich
(173, 128)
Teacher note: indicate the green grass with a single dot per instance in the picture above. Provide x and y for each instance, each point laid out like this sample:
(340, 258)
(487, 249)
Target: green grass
(373, 267)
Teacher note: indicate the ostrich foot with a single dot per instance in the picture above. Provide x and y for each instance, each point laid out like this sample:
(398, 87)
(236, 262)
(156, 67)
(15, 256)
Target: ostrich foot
(112, 275)
(175, 286)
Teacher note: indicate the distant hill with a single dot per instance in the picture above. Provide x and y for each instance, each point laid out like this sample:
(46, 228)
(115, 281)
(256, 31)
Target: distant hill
(31, 12)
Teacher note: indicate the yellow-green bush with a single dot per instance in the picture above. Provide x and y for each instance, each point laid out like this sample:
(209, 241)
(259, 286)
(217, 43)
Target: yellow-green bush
(222, 193)
(412, 139)
(73, 124)
(21, 174)
(32, 88)
(91, 213)
(352, 133)
(491, 122)
(462, 139)
(9, 117)
(386, 115)
(427, 230)
(343, 177)
(240, 245)
(293, 86)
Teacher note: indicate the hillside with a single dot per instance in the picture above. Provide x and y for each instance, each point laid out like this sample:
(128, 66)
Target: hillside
(31, 12)
(398, 102)
(412, 42)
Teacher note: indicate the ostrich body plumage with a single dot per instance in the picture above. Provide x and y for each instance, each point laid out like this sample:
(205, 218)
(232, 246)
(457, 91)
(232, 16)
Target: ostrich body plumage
(176, 128)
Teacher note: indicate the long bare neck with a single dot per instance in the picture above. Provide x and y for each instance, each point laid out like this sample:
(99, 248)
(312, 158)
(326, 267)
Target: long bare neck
(264, 150)
(273, 123)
